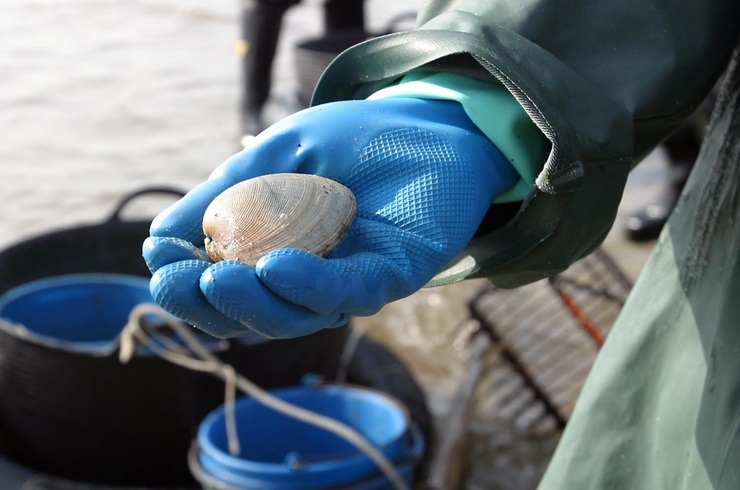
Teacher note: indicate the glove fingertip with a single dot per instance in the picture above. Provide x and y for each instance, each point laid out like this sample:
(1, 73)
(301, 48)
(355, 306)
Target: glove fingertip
(174, 283)
(301, 278)
(172, 223)
(235, 289)
(175, 287)
(161, 251)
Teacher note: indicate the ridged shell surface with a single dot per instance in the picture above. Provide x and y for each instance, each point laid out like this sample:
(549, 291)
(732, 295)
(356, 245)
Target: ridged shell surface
(273, 211)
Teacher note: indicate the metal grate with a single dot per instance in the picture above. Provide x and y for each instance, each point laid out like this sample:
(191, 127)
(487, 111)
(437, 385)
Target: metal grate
(545, 339)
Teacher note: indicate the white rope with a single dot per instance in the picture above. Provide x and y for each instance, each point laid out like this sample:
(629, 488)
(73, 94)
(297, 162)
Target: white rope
(229, 401)
(206, 361)
(350, 348)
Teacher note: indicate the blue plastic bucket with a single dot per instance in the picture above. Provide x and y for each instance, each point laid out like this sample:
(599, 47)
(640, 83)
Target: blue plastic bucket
(279, 452)
(69, 408)
(76, 311)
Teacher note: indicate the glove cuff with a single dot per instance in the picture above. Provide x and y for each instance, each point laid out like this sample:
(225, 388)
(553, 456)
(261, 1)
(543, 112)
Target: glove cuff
(494, 111)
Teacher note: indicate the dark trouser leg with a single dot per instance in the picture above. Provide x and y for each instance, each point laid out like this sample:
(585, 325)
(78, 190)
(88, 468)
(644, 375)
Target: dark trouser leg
(260, 29)
(682, 147)
(344, 14)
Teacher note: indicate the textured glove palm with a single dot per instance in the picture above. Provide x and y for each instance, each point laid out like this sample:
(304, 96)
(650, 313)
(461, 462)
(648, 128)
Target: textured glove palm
(423, 175)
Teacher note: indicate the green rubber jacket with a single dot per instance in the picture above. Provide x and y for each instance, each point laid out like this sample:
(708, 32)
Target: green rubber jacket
(661, 407)
(605, 81)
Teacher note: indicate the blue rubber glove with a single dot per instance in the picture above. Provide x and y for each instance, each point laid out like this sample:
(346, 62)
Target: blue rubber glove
(423, 175)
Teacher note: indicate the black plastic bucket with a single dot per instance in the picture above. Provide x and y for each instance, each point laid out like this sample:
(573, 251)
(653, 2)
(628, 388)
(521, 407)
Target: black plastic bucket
(314, 55)
(80, 414)
(113, 245)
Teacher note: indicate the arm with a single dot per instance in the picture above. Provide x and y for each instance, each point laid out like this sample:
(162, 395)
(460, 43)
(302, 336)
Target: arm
(423, 176)
(604, 82)
(426, 171)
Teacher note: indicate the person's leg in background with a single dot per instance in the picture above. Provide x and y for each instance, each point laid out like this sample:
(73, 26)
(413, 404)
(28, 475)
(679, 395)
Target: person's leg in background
(261, 21)
(344, 15)
(682, 147)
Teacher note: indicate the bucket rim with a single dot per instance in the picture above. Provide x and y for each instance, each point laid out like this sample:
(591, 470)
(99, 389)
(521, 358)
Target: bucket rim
(99, 347)
(413, 458)
(312, 466)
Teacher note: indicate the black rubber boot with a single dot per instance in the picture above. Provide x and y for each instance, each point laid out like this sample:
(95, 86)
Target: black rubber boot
(260, 29)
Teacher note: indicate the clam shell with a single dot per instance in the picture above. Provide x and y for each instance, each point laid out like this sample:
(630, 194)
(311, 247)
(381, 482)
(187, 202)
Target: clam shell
(273, 211)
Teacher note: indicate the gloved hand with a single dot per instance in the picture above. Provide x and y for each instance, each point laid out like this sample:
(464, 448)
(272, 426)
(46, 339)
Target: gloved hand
(423, 175)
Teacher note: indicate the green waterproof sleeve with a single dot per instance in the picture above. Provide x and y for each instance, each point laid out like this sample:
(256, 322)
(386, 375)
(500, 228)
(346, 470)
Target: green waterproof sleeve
(604, 81)
(492, 108)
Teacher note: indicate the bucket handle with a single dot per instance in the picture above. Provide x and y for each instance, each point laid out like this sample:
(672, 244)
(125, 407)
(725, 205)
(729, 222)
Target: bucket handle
(115, 216)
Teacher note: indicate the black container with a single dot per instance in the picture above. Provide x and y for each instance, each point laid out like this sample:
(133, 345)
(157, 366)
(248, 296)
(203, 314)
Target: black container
(313, 56)
(85, 416)
(113, 245)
